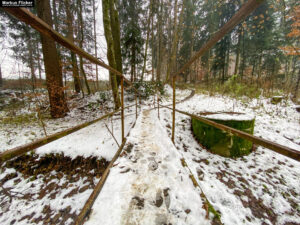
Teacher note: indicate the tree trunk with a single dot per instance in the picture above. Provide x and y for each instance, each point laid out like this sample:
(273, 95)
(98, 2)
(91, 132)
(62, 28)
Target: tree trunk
(227, 62)
(191, 71)
(243, 55)
(81, 46)
(32, 69)
(159, 31)
(39, 60)
(115, 28)
(58, 104)
(95, 42)
(110, 51)
(152, 49)
(30, 55)
(237, 59)
(55, 23)
(253, 70)
(259, 68)
(172, 58)
(297, 86)
(147, 39)
(71, 38)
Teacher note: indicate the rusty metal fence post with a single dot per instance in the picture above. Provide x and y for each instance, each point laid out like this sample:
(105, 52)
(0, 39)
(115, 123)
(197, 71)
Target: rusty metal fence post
(174, 102)
(158, 106)
(122, 107)
(136, 106)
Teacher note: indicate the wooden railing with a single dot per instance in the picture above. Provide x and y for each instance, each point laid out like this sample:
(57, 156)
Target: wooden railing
(32, 20)
(26, 16)
(283, 150)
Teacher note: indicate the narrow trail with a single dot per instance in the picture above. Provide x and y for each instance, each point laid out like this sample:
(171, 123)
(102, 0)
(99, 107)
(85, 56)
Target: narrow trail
(148, 183)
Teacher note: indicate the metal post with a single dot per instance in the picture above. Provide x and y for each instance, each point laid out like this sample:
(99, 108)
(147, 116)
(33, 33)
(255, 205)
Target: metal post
(154, 97)
(122, 106)
(158, 106)
(136, 107)
(173, 121)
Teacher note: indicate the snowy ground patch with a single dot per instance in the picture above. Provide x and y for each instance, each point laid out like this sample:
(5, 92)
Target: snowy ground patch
(262, 188)
(148, 184)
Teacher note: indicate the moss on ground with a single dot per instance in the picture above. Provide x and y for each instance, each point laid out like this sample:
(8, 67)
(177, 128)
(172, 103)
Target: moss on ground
(19, 119)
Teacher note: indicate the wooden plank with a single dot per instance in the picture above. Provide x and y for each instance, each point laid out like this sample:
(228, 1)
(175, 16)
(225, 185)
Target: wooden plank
(242, 14)
(283, 150)
(6, 155)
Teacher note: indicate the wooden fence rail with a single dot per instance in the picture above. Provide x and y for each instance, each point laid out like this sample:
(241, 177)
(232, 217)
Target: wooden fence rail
(38, 24)
(9, 154)
(89, 203)
(35, 22)
(283, 150)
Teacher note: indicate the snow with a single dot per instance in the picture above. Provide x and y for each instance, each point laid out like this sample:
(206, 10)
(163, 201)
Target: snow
(227, 116)
(16, 208)
(150, 172)
(81, 110)
(262, 187)
(278, 123)
(94, 140)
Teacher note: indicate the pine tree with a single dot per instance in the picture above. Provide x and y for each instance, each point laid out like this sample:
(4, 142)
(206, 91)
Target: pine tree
(130, 13)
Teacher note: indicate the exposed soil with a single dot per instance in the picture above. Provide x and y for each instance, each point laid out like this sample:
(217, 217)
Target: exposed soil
(48, 169)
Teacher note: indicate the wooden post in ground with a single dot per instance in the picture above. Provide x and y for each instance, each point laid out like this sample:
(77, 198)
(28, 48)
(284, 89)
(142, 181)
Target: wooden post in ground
(122, 107)
(174, 102)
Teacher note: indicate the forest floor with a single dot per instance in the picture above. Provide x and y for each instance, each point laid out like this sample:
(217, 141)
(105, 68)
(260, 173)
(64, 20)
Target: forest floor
(47, 186)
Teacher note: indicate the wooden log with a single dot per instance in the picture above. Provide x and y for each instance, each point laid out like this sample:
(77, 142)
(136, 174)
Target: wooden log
(89, 203)
(6, 155)
(283, 150)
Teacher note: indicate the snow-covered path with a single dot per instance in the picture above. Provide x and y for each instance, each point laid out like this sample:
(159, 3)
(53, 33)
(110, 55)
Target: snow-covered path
(148, 183)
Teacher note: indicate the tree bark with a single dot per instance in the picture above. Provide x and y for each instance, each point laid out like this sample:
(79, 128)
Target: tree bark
(152, 49)
(110, 51)
(174, 42)
(237, 59)
(95, 42)
(81, 46)
(71, 38)
(115, 28)
(55, 23)
(147, 39)
(297, 86)
(159, 31)
(191, 71)
(58, 104)
(30, 51)
(39, 60)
